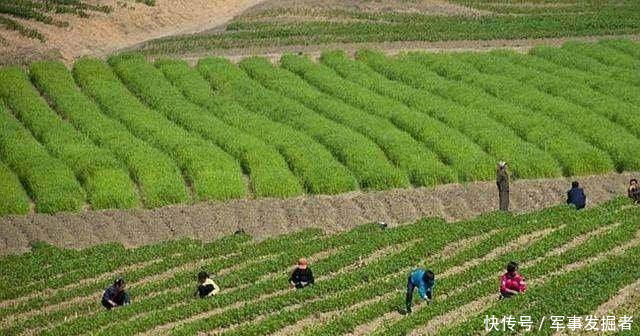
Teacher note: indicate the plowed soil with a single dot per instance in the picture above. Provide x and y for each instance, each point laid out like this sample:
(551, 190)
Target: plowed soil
(267, 217)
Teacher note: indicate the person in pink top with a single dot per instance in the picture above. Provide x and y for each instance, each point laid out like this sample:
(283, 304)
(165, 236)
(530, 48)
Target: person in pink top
(512, 283)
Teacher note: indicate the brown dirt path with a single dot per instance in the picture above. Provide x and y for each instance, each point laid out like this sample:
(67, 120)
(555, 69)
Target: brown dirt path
(211, 220)
(393, 48)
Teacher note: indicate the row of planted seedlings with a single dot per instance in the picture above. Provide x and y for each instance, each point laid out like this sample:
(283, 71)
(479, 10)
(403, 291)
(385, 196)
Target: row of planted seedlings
(13, 198)
(385, 267)
(211, 172)
(269, 172)
(360, 155)
(314, 165)
(626, 47)
(525, 158)
(104, 178)
(158, 178)
(535, 270)
(465, 157)
(49, 182)
(422, 166)
(153, 309)
(597, 129)
(518, 67)
(614, 63)
(214, 256)
(388, 290)
(575, 155)
(584, 69)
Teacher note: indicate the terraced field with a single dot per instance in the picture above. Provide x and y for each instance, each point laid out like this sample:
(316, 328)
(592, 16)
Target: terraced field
(128, 133)
(588, 256)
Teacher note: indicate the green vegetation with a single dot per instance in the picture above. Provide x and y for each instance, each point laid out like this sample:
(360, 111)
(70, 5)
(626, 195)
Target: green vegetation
(13, 197)
(321, 23)
(564, 253)
(107, 184)
(152, 134)
(44, 11)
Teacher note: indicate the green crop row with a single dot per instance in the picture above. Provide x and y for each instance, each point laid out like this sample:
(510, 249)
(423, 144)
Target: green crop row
(311, 162)
(269, 173)
(13, 197)
(526, 160)
(50, 183)
(421, 165)
(366, 160)
(626, 46)
(597, 129)
(107, 184)
(467, 158)
(612, 62)
(158, 178)
(212, 173)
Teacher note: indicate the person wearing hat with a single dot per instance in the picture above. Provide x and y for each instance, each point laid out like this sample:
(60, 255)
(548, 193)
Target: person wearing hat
(302, 276)
(576, 196)
(206, 286)
(502, 180)
(115, 295)
(424, 280)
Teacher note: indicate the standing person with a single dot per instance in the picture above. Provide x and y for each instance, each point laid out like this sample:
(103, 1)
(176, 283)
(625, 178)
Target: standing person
(424, 280)
(502, 181)
(302, 276)
(576, 196)
(634, 191)
(206, 286)
(115, 295)
(512, 283)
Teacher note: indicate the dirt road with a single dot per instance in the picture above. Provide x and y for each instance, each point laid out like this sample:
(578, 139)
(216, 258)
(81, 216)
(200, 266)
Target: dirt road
(267, 217)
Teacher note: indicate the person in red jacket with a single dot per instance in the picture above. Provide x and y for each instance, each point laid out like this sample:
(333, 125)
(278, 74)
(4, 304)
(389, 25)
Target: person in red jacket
(512, 283)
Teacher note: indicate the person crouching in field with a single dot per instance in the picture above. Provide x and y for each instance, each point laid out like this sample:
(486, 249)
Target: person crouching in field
(206, 286)
(576, 196)
(634, 191)
(424, 280)
(301, 276)
(115, 295)
(512, 283)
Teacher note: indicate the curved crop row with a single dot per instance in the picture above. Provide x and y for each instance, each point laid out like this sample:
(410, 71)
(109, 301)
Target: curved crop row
(626, 46)
(311, 162)
(467, 158)
(601, 132)
(158, 178)
(366, 160)
(421, 165)
(50, 183)
(13, 197)
(575, 155)
(269, 173)
(107, 184)
(618, 62)
(212, 172)
(526, 160)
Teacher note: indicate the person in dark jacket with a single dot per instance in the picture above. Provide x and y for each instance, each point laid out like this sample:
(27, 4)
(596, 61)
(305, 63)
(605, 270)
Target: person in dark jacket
(576, 196)
(302, 276)
(115, 295)
(206, 286)
(424, 280)
(502, 181)
(634, 191)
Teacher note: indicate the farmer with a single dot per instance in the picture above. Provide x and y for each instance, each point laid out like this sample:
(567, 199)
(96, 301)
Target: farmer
(206, 286)
(301, 276)
(502, 181)
(424, 280)
(634, 191)
(512, 283)
(115, 295)
(576, 196)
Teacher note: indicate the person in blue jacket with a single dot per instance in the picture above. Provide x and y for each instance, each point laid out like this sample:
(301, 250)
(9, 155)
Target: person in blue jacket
(424, 280)
(576, 196)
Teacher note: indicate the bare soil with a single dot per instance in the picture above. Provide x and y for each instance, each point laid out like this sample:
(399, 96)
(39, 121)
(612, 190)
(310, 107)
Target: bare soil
(103, 34)
(262, 218)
